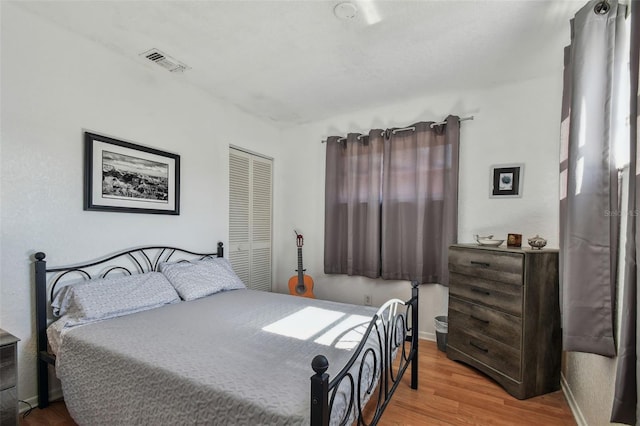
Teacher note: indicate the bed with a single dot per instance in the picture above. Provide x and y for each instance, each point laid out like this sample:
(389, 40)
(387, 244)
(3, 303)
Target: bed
(235, 356)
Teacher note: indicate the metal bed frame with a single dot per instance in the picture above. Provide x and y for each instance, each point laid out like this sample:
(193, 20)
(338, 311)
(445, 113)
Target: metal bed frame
(394, 327)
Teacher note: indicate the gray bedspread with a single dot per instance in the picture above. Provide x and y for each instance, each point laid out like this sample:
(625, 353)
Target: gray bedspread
(239, 357)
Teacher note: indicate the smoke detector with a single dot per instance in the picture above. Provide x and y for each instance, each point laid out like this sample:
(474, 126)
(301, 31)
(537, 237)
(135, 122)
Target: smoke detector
(166, 62)
(345, 10)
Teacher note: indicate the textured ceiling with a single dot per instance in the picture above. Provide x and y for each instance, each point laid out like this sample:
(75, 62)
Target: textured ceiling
(294, 61)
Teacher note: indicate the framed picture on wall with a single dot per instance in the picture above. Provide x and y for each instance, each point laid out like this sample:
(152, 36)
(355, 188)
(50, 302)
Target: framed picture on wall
(506, 180)
(122, 176)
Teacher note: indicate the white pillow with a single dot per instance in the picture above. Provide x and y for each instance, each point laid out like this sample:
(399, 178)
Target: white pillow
(62, 299)
(200, 278)
(103, 298)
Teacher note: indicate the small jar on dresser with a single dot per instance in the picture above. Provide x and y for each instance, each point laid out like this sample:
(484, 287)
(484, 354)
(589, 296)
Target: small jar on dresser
(504, 316)
(8, 379)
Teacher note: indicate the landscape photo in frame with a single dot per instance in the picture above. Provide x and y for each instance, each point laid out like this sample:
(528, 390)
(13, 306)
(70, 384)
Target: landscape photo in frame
(122, 176)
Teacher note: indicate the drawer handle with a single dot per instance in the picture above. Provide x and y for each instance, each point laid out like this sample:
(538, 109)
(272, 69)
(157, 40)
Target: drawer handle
(480, 290)
(480, 319)
(483, 264)
(477, 346)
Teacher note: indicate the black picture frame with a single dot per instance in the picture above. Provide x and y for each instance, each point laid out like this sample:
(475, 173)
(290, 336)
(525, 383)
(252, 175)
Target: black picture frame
(126, 177)
(506, 181)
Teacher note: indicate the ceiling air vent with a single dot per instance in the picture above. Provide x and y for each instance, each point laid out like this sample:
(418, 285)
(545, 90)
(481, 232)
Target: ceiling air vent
(164, 61)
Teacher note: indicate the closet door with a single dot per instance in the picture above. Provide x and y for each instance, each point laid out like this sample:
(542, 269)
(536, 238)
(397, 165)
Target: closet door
(250, 218)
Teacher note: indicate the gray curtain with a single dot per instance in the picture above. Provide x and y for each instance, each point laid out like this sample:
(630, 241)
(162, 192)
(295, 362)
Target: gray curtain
(391, 202)
(589, 200)
(353, 182)
(420, 201)
(625, 401)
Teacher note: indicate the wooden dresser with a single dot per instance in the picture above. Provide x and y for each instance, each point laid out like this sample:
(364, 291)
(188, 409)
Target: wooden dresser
(504, 316)
(8, 379)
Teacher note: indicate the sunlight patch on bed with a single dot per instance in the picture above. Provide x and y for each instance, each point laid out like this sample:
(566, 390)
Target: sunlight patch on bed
(334, 328)
(305, 323)
(346, 334)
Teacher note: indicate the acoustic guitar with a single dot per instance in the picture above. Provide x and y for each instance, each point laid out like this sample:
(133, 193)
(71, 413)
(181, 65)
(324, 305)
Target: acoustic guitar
(301, 284)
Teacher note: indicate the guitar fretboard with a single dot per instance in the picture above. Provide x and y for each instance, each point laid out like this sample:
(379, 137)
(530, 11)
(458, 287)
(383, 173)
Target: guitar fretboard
(300, 270)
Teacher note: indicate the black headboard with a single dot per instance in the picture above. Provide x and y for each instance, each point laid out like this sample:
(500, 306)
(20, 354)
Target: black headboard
(131, 261)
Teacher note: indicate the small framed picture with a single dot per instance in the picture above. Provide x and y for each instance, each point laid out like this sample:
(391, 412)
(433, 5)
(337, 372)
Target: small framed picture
(514, 240)
(122, 176)
(506, 180)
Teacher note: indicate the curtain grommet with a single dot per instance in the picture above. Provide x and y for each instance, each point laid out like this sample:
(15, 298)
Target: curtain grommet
(602, 8)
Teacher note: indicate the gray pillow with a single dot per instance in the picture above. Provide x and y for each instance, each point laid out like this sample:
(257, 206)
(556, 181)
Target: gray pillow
(102, 298)
(200, 278)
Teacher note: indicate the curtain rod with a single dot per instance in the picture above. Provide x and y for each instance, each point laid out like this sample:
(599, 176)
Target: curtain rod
(410, 128)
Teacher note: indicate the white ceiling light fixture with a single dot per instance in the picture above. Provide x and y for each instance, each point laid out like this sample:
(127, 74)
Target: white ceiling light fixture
(164, 61)
(345, 11)
(369, 11)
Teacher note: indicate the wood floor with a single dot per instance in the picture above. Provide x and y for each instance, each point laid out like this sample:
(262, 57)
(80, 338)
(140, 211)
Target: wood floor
(450, 393)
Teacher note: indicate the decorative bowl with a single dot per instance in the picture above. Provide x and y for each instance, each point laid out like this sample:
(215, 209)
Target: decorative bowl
(480, 237)
(489, 242)
(537, 242)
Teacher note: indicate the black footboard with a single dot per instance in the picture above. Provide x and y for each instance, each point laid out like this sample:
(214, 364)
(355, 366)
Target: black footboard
(395, 323)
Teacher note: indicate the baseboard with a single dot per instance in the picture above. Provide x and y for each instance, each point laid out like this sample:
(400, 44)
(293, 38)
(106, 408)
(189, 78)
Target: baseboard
(54, 394)
(573, 405)
(427, 336)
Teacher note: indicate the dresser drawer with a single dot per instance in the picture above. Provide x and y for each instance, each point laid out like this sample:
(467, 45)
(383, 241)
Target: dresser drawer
(8, 407)
(491, 265)
(497, 325)
(498, 295)
(7, 367)
(490, 352)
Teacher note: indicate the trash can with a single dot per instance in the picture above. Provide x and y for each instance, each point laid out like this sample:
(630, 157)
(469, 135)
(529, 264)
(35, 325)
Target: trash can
(442, 326)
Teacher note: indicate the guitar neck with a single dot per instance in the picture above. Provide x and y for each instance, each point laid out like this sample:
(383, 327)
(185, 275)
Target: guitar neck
(300, 270)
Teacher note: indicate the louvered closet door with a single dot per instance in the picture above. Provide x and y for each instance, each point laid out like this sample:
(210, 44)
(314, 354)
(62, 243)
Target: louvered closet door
(250, 199)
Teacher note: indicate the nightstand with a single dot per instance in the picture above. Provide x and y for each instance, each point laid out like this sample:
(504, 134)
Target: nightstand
(8, 379)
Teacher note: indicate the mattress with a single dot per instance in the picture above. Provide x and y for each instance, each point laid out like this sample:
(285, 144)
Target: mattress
(239, 357)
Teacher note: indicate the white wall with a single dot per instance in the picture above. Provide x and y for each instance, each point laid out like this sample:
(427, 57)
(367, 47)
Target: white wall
(589, 381)
(54, 85)
(515, 123)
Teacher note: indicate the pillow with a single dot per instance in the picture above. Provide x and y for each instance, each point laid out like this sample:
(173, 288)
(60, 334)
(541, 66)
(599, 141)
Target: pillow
(61, 299)
(103, 298)
(199, 278)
